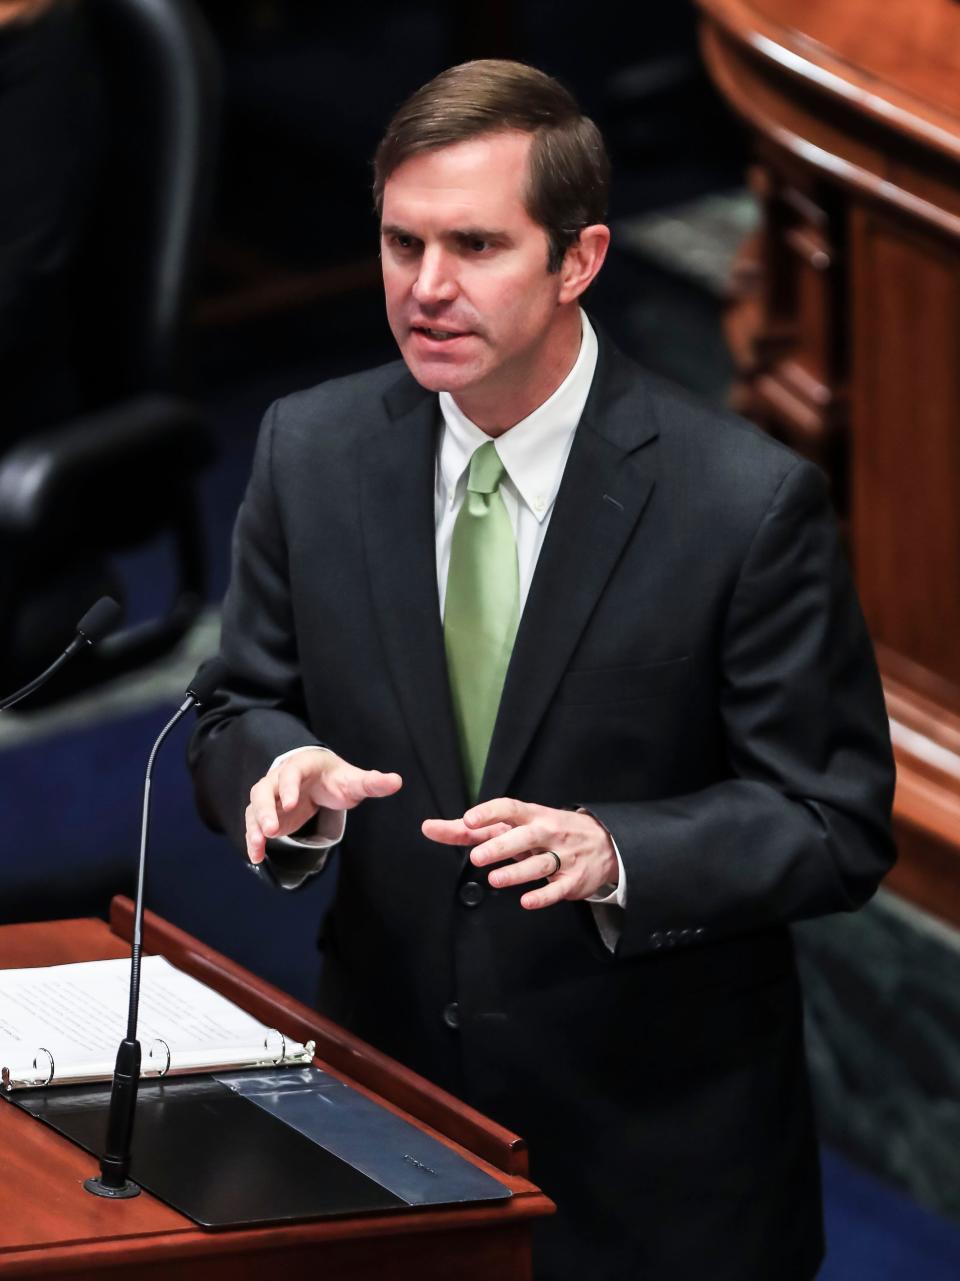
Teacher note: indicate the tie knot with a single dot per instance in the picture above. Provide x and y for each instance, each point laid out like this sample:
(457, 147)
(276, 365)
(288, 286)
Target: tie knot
(486, 470)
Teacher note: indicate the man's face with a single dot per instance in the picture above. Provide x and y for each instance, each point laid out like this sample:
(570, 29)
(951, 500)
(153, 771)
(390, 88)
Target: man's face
(469, 298)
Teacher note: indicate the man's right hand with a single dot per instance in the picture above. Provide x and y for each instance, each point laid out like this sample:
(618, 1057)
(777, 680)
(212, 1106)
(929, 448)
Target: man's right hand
(304, 782)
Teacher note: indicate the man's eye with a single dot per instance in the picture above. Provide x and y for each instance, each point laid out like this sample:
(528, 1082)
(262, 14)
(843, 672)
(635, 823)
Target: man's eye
(404, 243)
(477, 245)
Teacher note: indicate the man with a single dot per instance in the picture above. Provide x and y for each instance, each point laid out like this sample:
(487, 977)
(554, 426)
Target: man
(569, 904)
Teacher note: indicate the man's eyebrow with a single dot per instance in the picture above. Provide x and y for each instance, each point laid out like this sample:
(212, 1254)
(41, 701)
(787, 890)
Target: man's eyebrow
(455, 233)
(478, 233)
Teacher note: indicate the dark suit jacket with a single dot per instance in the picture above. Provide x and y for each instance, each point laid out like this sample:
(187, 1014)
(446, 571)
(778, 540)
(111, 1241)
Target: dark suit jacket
(692, 666)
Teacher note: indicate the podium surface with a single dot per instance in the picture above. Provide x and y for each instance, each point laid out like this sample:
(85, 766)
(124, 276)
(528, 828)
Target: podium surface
(51, 1227)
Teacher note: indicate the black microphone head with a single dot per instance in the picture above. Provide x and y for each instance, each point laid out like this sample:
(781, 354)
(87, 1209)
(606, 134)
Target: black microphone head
(99, 620)
(210, 675)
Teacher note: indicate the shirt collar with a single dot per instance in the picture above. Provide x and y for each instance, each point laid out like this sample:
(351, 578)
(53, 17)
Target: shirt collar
(533, 451)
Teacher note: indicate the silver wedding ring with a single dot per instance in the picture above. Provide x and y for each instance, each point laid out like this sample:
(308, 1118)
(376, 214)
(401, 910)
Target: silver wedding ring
(553, 854)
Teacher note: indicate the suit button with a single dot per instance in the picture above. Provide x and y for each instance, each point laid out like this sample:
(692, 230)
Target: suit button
(471, 893)
(670, 937)
(656, 939)
(451, 1015)
(699, 931)
(686, 936)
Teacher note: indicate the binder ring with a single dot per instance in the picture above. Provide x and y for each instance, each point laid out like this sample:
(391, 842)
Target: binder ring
(42, 1049)
(283, 1045)
(166, 1067)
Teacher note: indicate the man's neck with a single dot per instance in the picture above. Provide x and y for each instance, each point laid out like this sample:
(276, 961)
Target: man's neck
(496, 412)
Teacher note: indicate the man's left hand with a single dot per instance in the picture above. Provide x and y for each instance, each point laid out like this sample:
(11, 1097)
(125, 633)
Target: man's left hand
(508, 829)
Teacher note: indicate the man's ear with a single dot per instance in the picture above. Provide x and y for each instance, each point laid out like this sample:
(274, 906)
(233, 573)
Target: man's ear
(583, 260)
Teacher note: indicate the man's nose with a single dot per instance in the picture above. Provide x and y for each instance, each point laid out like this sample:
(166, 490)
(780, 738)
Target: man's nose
(436, 279)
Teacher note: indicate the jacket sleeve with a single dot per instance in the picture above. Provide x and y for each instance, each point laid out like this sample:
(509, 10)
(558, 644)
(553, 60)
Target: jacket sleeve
(802, 825)
(259, 713)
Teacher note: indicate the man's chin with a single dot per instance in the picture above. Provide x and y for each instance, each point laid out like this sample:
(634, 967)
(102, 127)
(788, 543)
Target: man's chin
(435, 375)
(429, 379)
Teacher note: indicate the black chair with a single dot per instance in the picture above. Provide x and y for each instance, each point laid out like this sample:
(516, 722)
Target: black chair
(123, 472)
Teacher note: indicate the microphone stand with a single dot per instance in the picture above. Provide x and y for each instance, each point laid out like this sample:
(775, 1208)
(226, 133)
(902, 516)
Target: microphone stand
(115, 1162)
(100, 619)
(76, 644)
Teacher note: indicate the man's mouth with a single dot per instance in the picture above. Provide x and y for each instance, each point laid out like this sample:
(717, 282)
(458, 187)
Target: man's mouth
(439, 335)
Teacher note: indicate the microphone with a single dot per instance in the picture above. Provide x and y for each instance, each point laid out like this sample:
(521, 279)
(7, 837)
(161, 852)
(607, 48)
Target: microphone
(115, 1162)
(99, 620)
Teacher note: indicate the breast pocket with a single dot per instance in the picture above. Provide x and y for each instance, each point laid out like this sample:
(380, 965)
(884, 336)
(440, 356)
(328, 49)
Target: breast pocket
(597, 685)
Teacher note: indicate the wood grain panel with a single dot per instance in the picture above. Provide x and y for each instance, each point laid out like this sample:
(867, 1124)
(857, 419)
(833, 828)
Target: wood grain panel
(909, 58)
(893, 65)
(906, 438)
(854, 109)
(828, 133)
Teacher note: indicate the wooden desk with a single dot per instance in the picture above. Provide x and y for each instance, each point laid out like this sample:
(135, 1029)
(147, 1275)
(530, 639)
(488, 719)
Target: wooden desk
(844, 326)
(51, 1227)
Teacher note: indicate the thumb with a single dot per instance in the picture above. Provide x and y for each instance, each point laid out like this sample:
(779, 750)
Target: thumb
(345, 786)
(376, 783)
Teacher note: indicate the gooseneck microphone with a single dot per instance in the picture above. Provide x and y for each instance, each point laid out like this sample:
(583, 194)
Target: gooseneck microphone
(99, 620)
(115, 1163)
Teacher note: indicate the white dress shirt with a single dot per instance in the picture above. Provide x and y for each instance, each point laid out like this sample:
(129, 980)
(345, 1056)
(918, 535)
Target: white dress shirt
(534, 453)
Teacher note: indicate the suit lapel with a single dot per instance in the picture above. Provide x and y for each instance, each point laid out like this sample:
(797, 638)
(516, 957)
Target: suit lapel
(607, 482)
(397, 518)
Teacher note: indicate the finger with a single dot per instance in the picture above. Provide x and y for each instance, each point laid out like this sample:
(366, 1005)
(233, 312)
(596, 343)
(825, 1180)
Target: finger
(545, 895)
(289, 783)
(354, 785)
(375, 783)
(446, 831)
(263, 799)
(513, 842)
(256, 841)
(536, 868)
(453, 831)
(502, 810)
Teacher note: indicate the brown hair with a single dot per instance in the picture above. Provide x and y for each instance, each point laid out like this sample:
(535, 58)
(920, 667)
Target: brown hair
(569, 169)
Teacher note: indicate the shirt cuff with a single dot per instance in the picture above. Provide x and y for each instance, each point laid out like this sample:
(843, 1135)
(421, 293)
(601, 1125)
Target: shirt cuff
(608, 904)
(610, 895)
(327, 826)
(608, 919)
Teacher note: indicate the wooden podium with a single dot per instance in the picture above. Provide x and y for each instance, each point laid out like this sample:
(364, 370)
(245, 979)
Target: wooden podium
(51, 1227)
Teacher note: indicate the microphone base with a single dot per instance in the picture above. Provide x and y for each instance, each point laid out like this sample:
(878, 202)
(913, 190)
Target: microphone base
(99, 1188)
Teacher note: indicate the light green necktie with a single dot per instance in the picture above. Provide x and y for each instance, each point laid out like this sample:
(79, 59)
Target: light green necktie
(482, 609)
